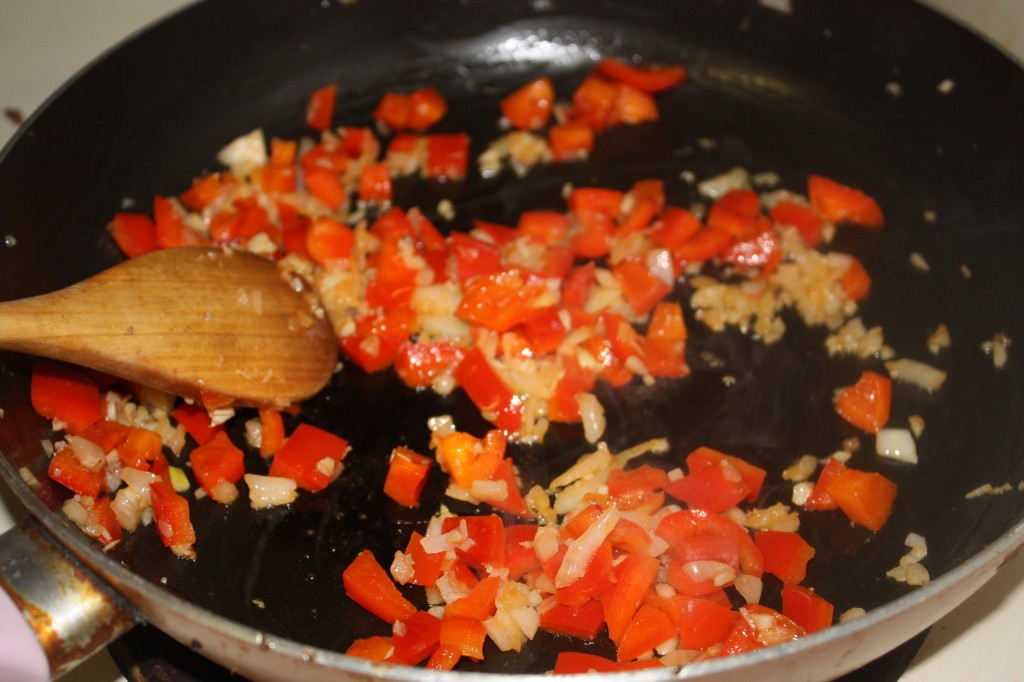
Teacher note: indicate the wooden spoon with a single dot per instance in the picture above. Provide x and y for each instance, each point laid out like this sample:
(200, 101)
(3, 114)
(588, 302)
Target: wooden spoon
(184, 320)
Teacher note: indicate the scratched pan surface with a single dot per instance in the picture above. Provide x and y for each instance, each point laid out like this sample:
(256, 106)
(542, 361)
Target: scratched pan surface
(793, 94)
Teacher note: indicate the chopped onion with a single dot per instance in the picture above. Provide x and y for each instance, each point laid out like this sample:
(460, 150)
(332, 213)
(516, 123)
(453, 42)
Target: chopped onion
(896, 444)
(88, 454)
(270, 491)
(582, 549)
(917, 373)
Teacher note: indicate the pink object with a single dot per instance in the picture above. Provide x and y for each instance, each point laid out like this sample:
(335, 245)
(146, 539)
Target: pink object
(21, 656)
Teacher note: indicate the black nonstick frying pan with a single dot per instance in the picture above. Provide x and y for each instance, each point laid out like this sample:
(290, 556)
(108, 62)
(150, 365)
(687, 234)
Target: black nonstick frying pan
(790, 93)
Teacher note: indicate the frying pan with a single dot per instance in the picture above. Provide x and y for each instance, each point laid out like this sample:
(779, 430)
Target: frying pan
(793, 94)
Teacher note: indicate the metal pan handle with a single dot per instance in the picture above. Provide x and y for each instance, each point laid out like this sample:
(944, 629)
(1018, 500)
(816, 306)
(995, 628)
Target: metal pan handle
(54, 612)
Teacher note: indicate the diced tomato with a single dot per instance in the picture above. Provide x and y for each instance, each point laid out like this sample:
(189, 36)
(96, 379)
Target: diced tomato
(368, 584)
(320, 109)
(806, 608)
(571, 141)
(134, 233)
(407, 476)
(196, 421)
(842, 204)
(785, 554)
(216, 461)
(65, 394)
(806, 220)
(753, 476)
(447, 157)
(488, 535)
(582, 622)
(73, 475)
(646, 78)
(865, 497)
(855, 282)
(647, 629)
(417, 638)
(866, 404)
(529, 107)
(173, 521)
(310, 457)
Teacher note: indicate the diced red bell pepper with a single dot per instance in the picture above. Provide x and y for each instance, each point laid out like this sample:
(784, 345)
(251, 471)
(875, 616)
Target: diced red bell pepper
(407, 476)
(805, 219)
(420, 364)
(680, 527)
(170, 226)
(103, 521)
(675, 227)
(595, 581)
(855, 282)
(563, 406)
(426, 567)
(707, 243)
(447, 157)
(785, 554)
(635, 575)
(513, 503)
(738, 212)
(641, 287)
(649, 78)
(842, 204)
(571, 141)
(643, 477)
(489, 392)
(613, 371)
(593, 100)
(545, 331)
(378, 338)
(326, 186)
(196, 421)
(582, 622)
(368, 584)
(707, 488)
(479, 604)
(753, 476)
(218, 460)
(520, 556)
(310, 457)
(417, 638)
(701, 623)
(329, 242)
(466, 458)
(138, 448)
(488, 535)
(664, 345)
(762, 251)
(529, 107)
(203, 192)
(866, 404)
(427, 106)
(473, 257)
(577, 663)
(647, 629)
(109, 435)
(173, 521)
(375, 185)
(865, 497)
(271, 431)
(819, 499)
(320, 108)
(134, 233)
(806, 608)
(65, 394)
(70, 473)
(464, 635)
(374, 648)
(631, 106)
(444, 658)
(502, 300)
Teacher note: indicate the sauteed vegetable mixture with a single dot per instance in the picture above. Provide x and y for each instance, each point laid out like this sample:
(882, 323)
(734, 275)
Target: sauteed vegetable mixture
(526, 319)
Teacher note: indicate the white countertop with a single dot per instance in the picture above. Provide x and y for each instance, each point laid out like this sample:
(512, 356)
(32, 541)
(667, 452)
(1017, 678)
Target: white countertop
(44, 42)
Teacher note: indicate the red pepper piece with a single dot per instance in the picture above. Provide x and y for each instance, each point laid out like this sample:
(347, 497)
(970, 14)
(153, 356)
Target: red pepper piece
(134, 233)
(320, 108)
(785, 554)
(529, 107)
(310, 457)
(65, 394)
(407, 476)
(807, 609)
(866, 404)
(842, 204)
(368, 584)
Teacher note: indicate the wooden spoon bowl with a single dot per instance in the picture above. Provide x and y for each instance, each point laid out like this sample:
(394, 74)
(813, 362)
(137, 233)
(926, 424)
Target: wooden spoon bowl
(186, 320)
